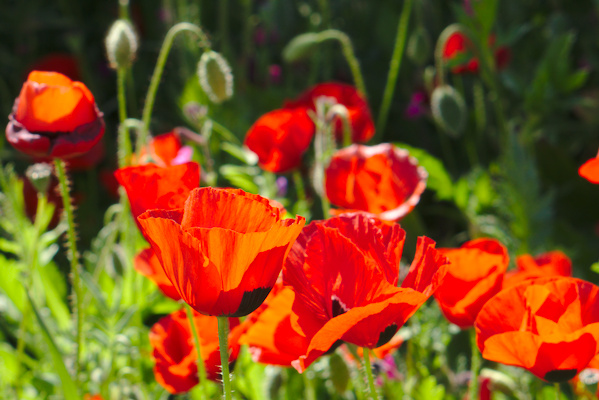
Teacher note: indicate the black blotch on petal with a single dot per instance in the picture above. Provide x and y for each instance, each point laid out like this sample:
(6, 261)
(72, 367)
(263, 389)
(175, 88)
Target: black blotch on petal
(387, 334)
(560, 375)
(251, 300)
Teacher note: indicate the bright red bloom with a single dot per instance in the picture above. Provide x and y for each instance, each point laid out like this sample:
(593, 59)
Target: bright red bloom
(344, 272)
(458, 45)
(590, 170)
(549, 326)
(150, 186)
(553, 263)
(270, 335)
(280, 138)
(360, 118)
(224, 250)
(165, 150)
(473, 277)
(175, 355)
(146, 263)
(54, 117)
(381, 180)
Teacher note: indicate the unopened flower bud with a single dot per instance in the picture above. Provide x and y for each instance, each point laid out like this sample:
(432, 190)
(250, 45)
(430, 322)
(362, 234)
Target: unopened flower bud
(449, 109)
(39, 175)
(339, 373)
(301, 47)
(419, 46)
(121, 44)
(215, 76)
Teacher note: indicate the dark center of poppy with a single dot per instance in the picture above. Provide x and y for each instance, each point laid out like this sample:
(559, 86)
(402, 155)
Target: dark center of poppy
(337, 307)
(387, 334)
(251, 300)
(560, 375)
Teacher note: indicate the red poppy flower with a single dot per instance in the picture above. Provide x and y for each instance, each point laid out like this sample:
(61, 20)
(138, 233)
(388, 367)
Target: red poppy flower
(146, 263)
(549, 326)
(280, 138)
(381, 180)
(473, 277)
(175, 355)
(54, 117)
(224, 250)
(458, 45)
(150, 186)
(590, 170)
(165, 150)
(553, 263)
(94, 397)
(270, 336)
(359, 113)
(344, 272)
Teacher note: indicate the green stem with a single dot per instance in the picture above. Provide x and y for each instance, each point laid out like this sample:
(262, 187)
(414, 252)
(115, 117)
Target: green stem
(159, 69)
(396, 58)
(557, 391)
(124, 150)
(309, 389)
(348, 52)
(73, 258)
(368, 369)
(474, 366)
(223, 25)
(200, 361)
(223, 332)
(298, 180)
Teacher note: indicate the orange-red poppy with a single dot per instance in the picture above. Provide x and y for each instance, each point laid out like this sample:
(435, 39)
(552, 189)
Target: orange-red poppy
(54, 117)
(381, 180)
(549, 326)
(553, 263)
(270, 336)
(473, 277)
(224, 250)
(280, 138)
(149, 186)
(344, 272)
(146, 263)
(457, 46)
(590, 170)
(165, 150)
(175, 355)
(360, 118)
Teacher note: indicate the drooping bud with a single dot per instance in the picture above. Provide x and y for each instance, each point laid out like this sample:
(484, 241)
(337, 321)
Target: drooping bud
(339, 373)
(121, 44)
(419, 46)
(215, 76)
(301, 47)
(449, 109)
(429, 77)
(39, 175)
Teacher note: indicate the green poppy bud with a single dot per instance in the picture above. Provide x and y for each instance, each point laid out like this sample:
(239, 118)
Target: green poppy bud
(121, 44)
(449, 109)
(339, 373)
(39, 175)
(301, 47)
(215, 76)
(419, 46)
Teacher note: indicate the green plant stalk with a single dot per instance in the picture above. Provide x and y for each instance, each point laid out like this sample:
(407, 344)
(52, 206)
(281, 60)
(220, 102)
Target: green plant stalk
(299, 185)
(223, 25)
(159, 69)
(474, 366)
(368, 369)
(348, 52)
(309, 389)
(395, 64)
(200, 361)
(557, 391)
(73, 258)
(124, 150)
(223, 332)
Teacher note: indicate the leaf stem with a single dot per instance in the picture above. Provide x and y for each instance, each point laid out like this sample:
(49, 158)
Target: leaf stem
(474, 366)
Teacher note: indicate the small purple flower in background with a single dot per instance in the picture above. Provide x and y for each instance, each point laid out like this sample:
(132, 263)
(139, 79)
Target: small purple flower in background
(274, 73)
(418, 105)
(468, 7)
(281, 186)
(387, 366)
(260, 36)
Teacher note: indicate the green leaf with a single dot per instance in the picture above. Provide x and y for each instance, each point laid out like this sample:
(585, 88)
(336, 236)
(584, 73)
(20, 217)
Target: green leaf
(485, 11)
(429, 390)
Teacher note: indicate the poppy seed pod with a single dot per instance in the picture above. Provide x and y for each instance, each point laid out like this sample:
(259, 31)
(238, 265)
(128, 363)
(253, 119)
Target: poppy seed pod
(39, 175)
(121, 44)
(449, 109)
(215, 76)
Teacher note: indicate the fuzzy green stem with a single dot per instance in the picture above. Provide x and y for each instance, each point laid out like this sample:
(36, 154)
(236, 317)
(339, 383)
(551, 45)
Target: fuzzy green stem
(223, 332)
(159, 69)
(74, 260)
(396, 58)
(309, 389)
(124, 150)
(558, 391)
(298, 180)
(474, 366)
(348, 52)
(200, 361)
(368, 369)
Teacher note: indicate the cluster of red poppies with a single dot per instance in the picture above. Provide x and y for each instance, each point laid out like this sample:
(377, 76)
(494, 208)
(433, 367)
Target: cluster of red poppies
(307, 289)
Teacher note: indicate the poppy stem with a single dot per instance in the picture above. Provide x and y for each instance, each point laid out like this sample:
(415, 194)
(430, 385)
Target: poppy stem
(558, 391)
(124, 150)
(368, 369)
(73, 256)
(200, 361)
(394, 65)
(159, 69)
(223, 332)
(474, 366)
(309, 391)
(348, 52)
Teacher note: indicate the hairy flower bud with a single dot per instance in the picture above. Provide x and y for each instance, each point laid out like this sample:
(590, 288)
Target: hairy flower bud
(215, 76)
(121, 44)
(39, 175)
(449, 109)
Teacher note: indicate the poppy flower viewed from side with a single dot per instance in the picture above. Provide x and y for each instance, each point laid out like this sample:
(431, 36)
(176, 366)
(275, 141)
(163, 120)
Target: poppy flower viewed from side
(344, 272)
(280, 138)
(590, 170)
(175, 355)
(475, 274)
(549, 326)
(382, 180)
(224, 250)
(146, 263)
(360, 118)
(458, 46)
(553, 263)
(54, 117)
